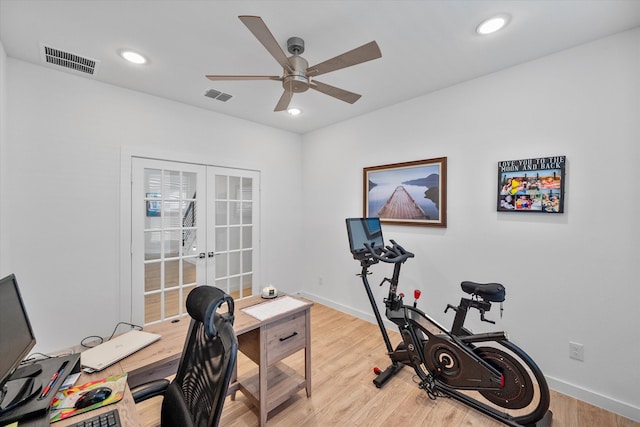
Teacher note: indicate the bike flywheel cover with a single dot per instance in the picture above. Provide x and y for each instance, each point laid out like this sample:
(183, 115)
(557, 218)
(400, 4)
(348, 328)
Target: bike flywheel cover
(518, 391)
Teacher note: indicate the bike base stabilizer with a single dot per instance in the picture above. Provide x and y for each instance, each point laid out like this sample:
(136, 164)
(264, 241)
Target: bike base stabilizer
(387, 374)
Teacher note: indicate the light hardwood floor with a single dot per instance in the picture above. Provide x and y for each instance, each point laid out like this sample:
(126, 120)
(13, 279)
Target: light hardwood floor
(344, 351)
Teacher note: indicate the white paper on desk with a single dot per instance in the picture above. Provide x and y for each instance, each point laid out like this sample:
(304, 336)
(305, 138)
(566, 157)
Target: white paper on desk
(69, 381)
(273, 308)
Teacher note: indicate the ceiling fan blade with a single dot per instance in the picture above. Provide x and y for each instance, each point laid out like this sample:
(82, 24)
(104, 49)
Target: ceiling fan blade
(341, 94)
(361, 54)
(212, 77)
(256, 25)
(284, 101)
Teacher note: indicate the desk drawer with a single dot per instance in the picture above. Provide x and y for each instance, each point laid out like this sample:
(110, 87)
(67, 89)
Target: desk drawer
(285, 337)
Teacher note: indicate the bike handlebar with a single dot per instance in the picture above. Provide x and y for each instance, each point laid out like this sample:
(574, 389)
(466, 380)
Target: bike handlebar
(390, 254)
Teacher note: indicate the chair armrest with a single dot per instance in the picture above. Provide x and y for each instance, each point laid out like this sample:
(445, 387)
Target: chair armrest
(148, 390)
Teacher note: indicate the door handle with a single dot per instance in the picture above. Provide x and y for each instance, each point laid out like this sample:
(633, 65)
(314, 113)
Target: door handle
(201, 255)
(211, 254)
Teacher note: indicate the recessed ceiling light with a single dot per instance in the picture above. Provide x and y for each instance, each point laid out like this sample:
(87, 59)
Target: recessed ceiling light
(493, 24)
(294, 111)
(133, 57)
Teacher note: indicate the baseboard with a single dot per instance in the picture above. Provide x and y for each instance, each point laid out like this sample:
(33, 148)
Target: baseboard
(621, 408)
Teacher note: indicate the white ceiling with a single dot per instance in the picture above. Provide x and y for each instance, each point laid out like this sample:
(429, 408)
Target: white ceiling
(426, 45)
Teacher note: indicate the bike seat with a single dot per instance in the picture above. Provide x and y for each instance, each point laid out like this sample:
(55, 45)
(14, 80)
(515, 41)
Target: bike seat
(493, 292)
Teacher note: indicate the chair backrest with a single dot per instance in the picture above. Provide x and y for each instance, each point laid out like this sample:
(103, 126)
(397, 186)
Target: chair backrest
(196, 396)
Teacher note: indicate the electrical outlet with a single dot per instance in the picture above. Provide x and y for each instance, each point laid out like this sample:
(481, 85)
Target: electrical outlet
(576, 351)
(320, 281)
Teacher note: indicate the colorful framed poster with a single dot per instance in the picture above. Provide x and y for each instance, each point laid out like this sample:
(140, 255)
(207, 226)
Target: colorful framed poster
(532, 185)
(410, 193)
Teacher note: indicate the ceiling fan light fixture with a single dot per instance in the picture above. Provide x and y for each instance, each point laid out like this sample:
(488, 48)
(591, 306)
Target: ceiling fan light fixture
(294, 111)
(133, 57)
(493, 24)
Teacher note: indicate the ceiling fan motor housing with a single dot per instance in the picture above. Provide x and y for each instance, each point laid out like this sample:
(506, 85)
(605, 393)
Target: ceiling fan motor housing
(295, 46)
(296, 80)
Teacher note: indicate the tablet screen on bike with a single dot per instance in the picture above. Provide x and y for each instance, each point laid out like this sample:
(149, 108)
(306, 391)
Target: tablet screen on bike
(361, 231)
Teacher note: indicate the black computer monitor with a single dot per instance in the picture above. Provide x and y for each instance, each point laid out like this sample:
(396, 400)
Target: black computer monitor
(16, 341)
(361, 231)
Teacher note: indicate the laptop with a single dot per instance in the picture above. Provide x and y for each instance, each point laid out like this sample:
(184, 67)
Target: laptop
(106, 354)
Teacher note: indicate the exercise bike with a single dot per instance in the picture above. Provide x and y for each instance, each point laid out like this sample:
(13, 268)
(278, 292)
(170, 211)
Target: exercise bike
(485, 371)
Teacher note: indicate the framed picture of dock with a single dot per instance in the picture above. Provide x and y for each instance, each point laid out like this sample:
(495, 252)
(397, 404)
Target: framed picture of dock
(532, 185)
(410, 193)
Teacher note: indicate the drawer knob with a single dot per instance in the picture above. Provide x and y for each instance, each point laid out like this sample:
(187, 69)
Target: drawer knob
(290, 336)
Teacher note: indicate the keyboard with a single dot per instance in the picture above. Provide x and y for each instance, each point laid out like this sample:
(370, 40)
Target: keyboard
(107, 419)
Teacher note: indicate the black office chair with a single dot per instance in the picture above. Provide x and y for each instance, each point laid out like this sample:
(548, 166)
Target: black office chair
(196, 395)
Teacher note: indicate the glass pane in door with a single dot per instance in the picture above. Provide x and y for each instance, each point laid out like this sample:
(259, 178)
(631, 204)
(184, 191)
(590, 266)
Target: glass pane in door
(170, 242)
(233, 227)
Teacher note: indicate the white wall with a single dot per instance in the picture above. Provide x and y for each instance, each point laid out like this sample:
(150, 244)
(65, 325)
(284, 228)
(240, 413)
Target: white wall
(61, 206)
(569, 277)
(3, 139)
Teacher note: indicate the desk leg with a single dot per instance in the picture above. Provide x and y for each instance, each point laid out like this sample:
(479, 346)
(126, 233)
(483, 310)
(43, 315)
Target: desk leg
(234, 381)
(262, 384)
(307, 353)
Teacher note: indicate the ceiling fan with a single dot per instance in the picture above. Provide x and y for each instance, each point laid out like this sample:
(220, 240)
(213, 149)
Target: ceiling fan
(297, 76)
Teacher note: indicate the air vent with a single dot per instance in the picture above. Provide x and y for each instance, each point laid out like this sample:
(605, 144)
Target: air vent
(216, 94)
(68, 60)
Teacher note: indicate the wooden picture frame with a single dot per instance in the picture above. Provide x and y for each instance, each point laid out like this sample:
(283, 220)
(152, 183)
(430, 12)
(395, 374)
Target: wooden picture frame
(409, 193)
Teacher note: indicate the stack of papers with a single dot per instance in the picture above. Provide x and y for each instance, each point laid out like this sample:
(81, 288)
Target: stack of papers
(273, 308)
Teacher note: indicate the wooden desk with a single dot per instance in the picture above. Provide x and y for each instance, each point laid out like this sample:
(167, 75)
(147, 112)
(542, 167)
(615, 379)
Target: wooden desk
(265, 342)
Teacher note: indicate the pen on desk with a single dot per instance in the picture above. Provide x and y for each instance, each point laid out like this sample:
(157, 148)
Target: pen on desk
(53, 380)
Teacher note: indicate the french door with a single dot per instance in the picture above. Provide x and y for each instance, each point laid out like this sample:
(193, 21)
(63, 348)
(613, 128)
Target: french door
(191, 225)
